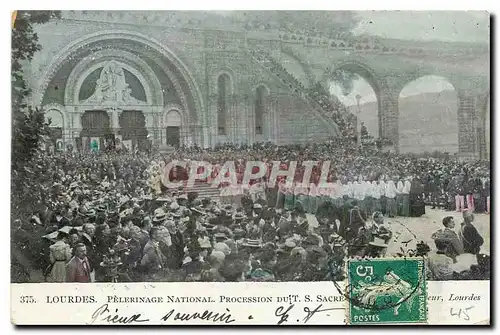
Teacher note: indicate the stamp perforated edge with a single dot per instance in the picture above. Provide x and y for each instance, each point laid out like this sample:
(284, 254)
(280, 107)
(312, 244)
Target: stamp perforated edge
(422, 284)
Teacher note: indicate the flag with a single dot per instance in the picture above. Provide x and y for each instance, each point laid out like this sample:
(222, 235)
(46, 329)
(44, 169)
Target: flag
(59, 145)
(118, 141)
(95, 144)
(127, 144)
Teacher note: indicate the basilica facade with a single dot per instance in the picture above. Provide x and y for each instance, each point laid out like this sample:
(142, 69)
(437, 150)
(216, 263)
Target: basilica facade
(197, 78)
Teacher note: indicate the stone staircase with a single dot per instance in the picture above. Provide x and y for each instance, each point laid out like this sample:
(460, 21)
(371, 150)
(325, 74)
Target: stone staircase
(317, 97)
(205, 190)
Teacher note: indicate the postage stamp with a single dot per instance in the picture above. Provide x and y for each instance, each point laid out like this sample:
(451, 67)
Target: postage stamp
(387, 291)
(226, 167)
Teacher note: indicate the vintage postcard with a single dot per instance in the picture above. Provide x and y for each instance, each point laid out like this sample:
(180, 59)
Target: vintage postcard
(250, 168)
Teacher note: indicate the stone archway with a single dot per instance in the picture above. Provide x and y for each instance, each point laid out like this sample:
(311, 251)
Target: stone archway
(132, 63)
(173, 126)
(58, 128)
(386, 96)
(428, 115)
(161, 55)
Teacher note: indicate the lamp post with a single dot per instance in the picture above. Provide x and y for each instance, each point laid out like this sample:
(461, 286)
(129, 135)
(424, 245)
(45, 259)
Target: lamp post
(358, 123)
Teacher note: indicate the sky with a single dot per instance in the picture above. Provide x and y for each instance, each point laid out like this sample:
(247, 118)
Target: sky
(421, 85)
(450, 26)
(470, 26)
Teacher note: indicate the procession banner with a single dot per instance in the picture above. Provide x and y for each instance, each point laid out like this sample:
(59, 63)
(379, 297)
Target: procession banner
(127, 144)
(244, 303)
(118, 141)
(95, 144)
(59, 144)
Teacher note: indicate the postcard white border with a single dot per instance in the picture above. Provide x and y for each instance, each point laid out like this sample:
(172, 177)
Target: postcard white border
(182, 4)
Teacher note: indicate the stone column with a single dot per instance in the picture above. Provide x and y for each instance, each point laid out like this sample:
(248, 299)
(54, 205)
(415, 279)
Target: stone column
(67, 132)
(389, 116)
(272, 118)
(250, 120)
(487, 125)
(239, 118)
(114, 119)
(482, 125)
(155, 135)
(467, 132)
(233, 118)
(213, 123)
(76, 125)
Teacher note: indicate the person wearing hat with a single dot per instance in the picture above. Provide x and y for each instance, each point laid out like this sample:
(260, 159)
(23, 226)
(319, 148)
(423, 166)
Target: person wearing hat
(60, 254)
(264, 271)
(239, 234)
(312, 240)
(253, 230)
(289, 196)
(176, 250)
(159, 218)
(80, 268)
(205, 245)
(153, 260)
(301, 198)
(182, 200)
(455, 246)
(197, 211)
(376, 248)
(238, 217)
(215, 263)
(439, 264)
(103, 239)
(356, 220)
(73, 237)
(292, 264)
(58, 219)
(282, 261)
(145, 227)
(379, 228)
(470, 237)
(315, 268)
(193, 265)
(219, 237)
(133, 260)
(269, 229)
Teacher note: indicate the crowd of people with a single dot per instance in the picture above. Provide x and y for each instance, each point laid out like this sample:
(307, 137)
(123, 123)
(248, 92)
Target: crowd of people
(104, 217)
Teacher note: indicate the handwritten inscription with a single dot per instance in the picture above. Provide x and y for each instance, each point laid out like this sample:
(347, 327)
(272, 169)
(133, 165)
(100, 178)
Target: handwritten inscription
(206, 315)
(103, 313)
(461, 313)
(107, 315)
(283, 314)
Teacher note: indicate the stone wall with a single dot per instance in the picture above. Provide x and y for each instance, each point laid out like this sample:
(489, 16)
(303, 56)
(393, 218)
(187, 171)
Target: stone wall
(206, 53)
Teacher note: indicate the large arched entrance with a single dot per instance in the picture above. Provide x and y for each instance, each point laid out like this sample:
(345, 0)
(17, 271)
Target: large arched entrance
(133, 129)
(428, 116)
(125, 75)
(95, 127)
(173, 124)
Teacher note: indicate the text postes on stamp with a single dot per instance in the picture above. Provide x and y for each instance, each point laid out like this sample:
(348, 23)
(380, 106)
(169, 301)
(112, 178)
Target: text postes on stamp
(387, 291)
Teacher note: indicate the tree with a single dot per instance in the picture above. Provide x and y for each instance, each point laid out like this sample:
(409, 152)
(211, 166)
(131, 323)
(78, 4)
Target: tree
(28, 124)
(345, 79)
